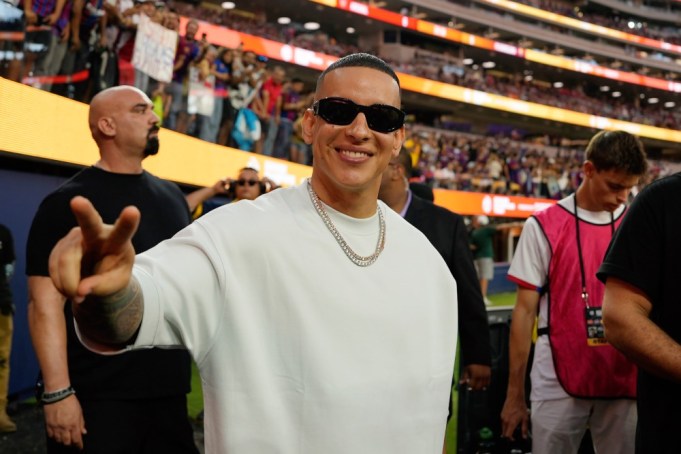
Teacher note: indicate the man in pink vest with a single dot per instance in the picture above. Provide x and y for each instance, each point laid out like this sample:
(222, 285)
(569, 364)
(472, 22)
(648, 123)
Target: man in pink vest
(578, 379)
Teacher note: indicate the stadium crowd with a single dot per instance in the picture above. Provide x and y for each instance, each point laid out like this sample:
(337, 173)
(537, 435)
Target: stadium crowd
(620, 21)
(502, 165)
(453, 71)
(237, 98)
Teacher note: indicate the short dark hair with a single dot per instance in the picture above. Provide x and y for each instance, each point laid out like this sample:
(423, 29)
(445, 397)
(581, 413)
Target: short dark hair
(617, 150)
(360, 60)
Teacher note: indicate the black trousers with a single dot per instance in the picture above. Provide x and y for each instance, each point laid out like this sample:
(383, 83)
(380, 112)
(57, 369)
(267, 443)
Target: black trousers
(147, 426)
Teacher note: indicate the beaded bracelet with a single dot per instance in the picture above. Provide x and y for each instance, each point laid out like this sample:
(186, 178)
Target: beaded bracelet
(56, 396)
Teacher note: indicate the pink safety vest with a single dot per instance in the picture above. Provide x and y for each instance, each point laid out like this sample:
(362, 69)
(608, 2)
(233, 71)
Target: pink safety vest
(583, 371)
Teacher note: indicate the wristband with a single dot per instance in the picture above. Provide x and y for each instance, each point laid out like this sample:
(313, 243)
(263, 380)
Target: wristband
(56, 396)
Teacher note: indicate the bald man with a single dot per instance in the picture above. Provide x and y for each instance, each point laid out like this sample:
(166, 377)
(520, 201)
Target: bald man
(133, 402)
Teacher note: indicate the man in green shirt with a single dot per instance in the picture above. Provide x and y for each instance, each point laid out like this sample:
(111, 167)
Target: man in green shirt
(482, 238)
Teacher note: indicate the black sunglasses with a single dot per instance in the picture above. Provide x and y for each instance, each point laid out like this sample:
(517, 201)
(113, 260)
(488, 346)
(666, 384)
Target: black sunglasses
(342, 112)
(244, 182)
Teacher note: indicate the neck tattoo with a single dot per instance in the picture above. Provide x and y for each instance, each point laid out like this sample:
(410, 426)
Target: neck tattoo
(352, 255)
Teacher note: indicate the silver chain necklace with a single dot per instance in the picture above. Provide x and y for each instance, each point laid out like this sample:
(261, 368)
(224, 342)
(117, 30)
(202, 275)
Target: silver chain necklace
(352, 255)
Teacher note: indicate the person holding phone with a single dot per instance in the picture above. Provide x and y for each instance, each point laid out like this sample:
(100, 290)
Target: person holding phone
(247, 186)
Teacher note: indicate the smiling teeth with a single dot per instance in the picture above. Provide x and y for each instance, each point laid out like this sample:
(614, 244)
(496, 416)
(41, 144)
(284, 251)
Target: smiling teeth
(353, 154)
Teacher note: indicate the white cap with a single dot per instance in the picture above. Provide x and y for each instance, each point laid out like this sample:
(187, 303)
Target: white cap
(483, 220)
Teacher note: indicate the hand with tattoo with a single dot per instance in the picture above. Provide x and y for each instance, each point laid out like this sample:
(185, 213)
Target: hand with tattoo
(92, 266)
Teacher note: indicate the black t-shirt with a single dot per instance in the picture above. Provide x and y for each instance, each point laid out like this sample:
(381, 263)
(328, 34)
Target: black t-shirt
(138, 374)
(645, 253)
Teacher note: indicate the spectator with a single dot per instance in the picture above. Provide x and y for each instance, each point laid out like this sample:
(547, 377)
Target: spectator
(127, 37)
(270, 109)
(187, 51)
(260, 74)
(88, 22)
(223, 78)
(245, 85)
(247, 186)
(209, 113)
(56, 14)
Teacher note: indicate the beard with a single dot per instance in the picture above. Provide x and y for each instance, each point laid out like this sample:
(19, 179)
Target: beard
(152, 143)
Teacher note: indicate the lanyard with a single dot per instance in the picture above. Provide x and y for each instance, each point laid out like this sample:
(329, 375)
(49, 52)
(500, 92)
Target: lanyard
(585, 294)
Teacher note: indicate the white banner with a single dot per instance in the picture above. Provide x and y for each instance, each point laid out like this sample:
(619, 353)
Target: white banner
(154, 52)
(201, 96)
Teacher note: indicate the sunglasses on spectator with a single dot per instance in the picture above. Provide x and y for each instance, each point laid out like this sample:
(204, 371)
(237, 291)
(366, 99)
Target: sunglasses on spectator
(245, 182)
(342, 112)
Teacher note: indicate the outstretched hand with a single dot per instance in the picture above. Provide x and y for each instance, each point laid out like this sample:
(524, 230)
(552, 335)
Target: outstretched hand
(94, 258)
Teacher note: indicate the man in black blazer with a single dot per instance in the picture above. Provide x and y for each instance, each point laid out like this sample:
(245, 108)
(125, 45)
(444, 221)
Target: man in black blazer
(447, 232)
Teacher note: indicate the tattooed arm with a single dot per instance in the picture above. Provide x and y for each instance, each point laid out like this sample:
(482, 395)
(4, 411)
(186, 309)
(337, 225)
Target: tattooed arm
(92, 266)
(111, 320)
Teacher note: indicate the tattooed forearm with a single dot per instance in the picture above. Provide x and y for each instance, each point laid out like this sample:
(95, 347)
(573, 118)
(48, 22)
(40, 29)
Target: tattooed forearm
(111, 320)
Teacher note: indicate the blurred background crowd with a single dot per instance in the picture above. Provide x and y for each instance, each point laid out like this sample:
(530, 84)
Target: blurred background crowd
(235, 97)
